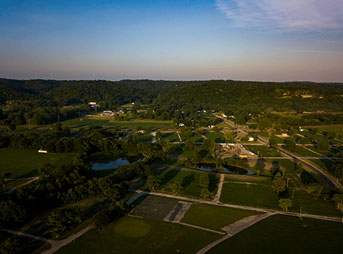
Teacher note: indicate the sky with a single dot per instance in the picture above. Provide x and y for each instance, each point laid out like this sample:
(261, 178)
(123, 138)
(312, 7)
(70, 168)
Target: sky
(267, 40)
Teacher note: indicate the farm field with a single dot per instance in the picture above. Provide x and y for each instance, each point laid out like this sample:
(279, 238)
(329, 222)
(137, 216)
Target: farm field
(284, 235)
(140, 236)
(214, 217)
(263, 151)
(24, 162)
(250, 193)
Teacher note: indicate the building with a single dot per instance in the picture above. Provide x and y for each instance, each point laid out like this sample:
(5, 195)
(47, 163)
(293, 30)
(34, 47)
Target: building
(42, 151)
(251, 139)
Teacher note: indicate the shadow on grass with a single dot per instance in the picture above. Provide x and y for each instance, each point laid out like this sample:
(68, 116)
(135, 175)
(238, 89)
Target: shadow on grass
(187, 180)
(213, 182)
(169, 176)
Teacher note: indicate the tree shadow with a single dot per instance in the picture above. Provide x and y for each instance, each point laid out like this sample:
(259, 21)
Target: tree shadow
(169, 176)
(213, 182)
(187, 180)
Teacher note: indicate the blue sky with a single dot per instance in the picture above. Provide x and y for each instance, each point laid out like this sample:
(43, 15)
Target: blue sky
(272, 40)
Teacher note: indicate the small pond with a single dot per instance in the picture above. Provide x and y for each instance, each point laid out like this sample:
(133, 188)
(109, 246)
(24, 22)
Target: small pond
(112, 164)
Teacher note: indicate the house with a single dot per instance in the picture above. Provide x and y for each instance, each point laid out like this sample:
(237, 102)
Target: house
(223, 115)
(42, 151)
(92, 103)
(301, 129)
(181, 124)
(284, 135)
(251, 139)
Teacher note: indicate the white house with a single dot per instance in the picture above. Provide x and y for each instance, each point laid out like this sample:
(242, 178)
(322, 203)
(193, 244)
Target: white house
(42, 151)
(181, 124)
(251, 139)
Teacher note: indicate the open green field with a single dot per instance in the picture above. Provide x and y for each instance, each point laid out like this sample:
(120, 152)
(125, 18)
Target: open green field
(250, 193)
(338, 128)
(285, 235)
(263, 151)
(110, 122)
(214, 217)
(24, 162)
(189, 180)
(140, 236)
(154, 207)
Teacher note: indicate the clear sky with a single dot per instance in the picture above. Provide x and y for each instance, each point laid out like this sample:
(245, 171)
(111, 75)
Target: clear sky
(272, 40)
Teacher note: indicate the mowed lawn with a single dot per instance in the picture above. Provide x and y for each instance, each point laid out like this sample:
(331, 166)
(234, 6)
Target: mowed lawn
(24, 162)
(250, 193)
(214, 217)
(285, 235)
(140, 236)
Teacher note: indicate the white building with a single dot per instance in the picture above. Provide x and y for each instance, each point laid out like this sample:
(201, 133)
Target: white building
(251, 139)
(42, 151)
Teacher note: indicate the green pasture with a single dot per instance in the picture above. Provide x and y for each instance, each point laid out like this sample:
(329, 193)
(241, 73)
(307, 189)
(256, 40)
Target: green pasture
(285, 235)
(141, 236)
(214, 217)
(24, 162)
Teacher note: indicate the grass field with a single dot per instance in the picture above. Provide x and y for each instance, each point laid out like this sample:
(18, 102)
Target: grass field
(110, 122)
(256, 194)
(285, 235)
(214, 217)
(141, 236)
(263, 151)
(24, 163)
(154, 207)
(189, 180)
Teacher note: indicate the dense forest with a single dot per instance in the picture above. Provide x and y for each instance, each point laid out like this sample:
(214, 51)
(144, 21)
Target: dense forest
(46, 101)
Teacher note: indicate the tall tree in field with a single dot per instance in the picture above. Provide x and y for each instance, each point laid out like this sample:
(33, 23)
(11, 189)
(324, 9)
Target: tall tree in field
(338, 199)
(279, 184)
(285, 203)
(205, 193)
(153, 182)
(204, 181)
(175, 187)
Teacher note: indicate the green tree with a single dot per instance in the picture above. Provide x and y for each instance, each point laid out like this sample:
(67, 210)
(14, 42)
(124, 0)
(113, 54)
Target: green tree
(285, 203)
(315, 189)
(204, 181)
(278, 184)
(338, 199)
(175, 187)
(153, 182)
(205, 193)
(63, 219)
(338, 169)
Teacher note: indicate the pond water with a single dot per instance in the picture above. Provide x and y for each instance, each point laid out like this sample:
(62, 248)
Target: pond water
(231, 169)
(111, 164)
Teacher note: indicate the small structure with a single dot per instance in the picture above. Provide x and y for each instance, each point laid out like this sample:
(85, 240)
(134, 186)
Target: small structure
(223, 115)
(251, 139)
(181, 124)
(42, 151)
(284, 135)
(301, 129)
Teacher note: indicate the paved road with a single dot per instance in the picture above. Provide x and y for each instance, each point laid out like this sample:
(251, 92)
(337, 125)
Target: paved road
(30, 181)
(220, 187)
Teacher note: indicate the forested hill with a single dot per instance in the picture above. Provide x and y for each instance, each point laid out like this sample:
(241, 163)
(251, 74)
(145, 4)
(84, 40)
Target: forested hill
(171, 97)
